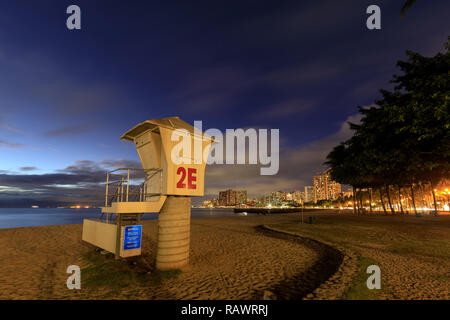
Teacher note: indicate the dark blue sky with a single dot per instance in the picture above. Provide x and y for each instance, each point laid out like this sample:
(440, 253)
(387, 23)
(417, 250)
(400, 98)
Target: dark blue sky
(300, 66)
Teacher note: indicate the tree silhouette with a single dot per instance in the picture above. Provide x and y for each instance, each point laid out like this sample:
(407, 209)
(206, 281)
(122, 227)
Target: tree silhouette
(404, 139)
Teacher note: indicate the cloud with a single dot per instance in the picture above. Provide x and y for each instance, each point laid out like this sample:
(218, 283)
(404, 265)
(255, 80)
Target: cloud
(313, 72)
(122, 163)
(219, 87)
(82, 181)
(45, 80)
(285, 109)
(8, 127)
(28, 168)
(49, 179)
(73, 97)
(71, 130)
(212, 87)
(296, 21)
(11, 145)
(297, 167)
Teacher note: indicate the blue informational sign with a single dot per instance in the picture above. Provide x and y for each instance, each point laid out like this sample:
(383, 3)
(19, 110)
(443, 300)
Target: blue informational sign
(132, 237)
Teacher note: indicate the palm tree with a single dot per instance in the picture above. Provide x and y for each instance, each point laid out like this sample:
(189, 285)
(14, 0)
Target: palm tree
(404, 140)
(408, 4)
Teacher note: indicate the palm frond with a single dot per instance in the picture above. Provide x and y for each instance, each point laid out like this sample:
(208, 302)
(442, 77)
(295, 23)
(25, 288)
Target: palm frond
(408, 4)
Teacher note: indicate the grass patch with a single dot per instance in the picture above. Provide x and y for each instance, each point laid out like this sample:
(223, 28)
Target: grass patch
(426, 240)
(433, 248)
(395, 237)
(358, 289)
(160, 276)
(104, 272)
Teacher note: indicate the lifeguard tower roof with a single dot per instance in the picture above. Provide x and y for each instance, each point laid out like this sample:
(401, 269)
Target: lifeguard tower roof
(170, 122)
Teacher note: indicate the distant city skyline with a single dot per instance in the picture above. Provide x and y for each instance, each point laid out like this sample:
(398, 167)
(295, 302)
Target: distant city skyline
(323, 188)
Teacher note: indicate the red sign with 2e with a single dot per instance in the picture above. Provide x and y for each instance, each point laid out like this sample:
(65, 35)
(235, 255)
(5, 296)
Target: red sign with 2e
(190, 174)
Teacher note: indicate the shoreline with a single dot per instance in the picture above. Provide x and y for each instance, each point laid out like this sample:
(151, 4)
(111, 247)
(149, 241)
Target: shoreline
(200, 214)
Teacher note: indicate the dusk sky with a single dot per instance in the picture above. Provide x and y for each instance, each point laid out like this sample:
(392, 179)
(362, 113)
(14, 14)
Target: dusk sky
(302, 67)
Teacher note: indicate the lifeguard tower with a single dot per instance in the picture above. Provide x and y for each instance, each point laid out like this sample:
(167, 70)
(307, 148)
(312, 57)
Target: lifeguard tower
(173, 169)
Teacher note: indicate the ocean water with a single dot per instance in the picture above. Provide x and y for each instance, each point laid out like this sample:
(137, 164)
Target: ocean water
(29, 217)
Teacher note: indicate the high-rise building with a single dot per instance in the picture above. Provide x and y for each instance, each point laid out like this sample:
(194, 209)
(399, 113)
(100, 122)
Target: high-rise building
(325, 188)
(232, 197)
(210, 203)
(309, 194)
(298, 196)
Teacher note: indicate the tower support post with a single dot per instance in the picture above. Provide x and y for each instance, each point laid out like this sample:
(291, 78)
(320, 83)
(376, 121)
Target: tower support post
(174, 226)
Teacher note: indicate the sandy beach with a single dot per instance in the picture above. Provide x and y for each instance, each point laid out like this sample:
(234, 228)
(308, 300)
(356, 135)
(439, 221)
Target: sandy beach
(231, 258)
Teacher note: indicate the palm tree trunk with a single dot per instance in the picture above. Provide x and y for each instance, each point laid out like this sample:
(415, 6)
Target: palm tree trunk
(358, 206)
(413, 199)
(400, 199)
(434, 197)
(407, 204)
(424, 200)
(381, 199)
(361, 199)
(354, 201)
(361, 204)
(389, 199)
